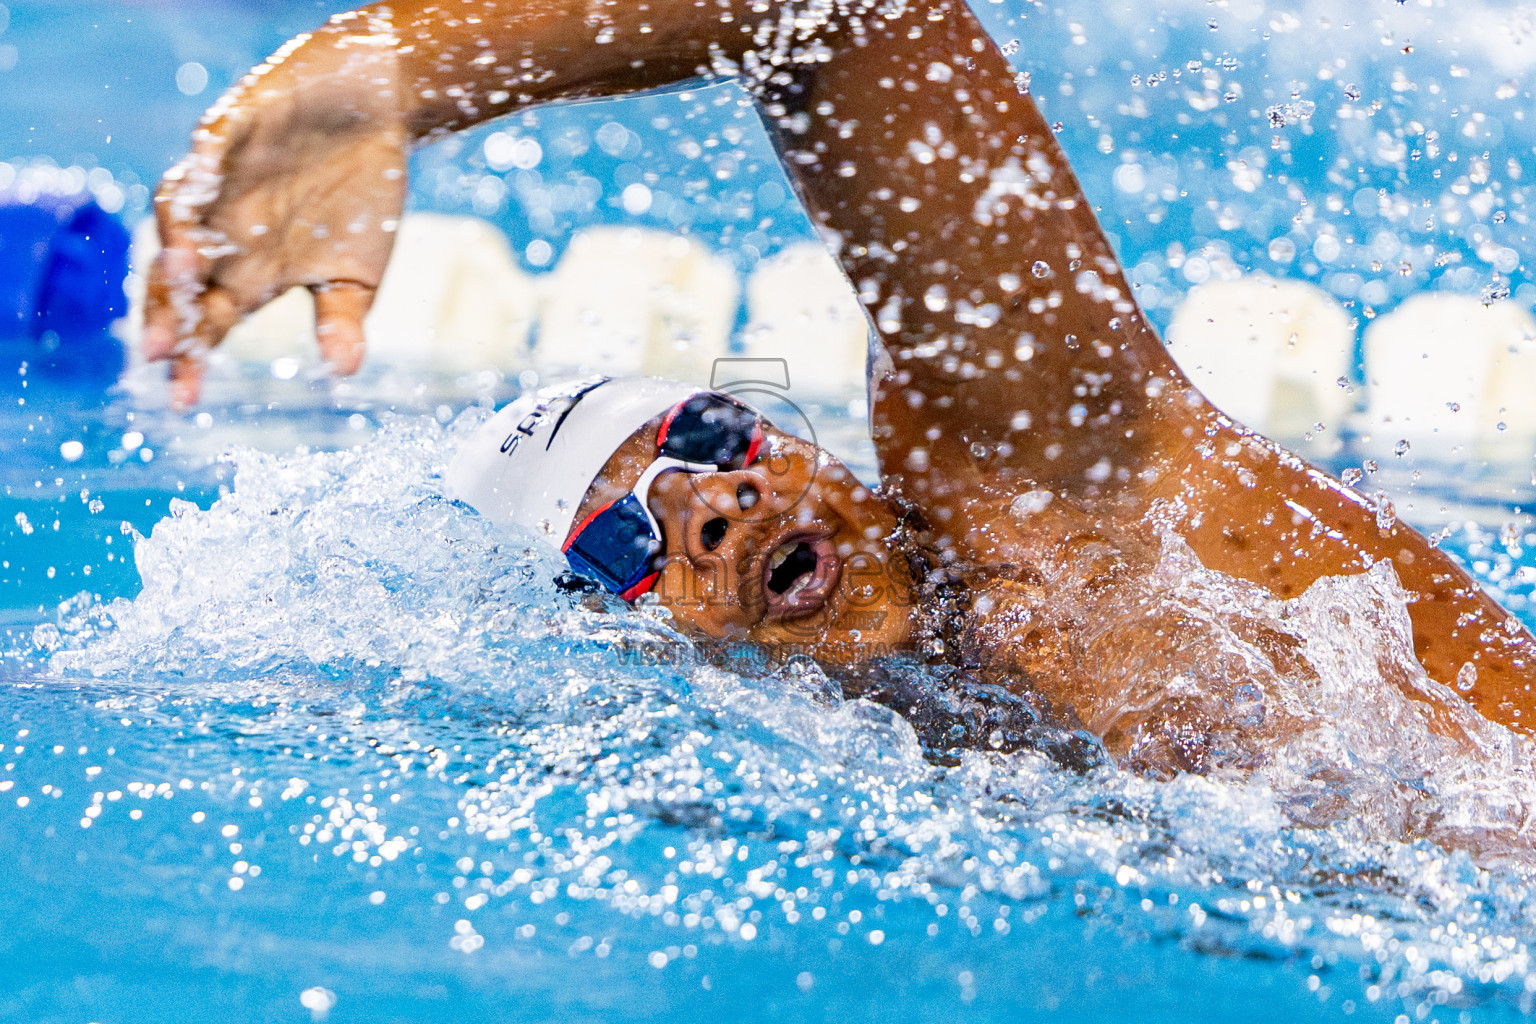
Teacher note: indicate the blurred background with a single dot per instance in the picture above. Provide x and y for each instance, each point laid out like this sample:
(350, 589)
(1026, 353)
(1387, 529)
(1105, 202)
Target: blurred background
(1322, 209)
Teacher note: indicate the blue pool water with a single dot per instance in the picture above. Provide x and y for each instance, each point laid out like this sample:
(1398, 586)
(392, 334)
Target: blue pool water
(284, 736)
(328, 732)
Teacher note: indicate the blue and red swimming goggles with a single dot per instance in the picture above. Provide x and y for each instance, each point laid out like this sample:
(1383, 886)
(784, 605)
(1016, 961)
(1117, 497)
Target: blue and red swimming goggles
(618, 544)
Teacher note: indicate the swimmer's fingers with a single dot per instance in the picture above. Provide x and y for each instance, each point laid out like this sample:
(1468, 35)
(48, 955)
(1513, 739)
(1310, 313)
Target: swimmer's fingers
(187, 370)
(217, 313)
(175, 307)
(340, 307)
(173, 297)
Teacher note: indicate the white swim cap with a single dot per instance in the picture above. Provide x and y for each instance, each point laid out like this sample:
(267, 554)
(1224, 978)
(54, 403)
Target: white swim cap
(531, 464)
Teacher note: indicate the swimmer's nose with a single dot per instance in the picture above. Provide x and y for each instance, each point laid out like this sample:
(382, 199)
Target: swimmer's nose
(717, 528)
(708, 511)
(712, 535)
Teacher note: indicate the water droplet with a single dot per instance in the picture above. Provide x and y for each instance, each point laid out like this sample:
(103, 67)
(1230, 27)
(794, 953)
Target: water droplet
(1031, 503)
(1401, 448)
(318, 1001)
(1351, 476)
(1467, 677)
(1041, 269)
(1386, 514)
(191, 78)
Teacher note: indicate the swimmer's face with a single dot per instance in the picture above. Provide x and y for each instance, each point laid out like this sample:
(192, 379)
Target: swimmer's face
(791, 551)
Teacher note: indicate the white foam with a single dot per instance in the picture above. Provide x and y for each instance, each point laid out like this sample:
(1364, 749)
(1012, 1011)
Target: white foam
(344, 579)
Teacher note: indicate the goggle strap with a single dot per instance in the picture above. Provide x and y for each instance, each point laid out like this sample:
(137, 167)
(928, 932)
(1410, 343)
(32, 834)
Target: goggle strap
(642, 488)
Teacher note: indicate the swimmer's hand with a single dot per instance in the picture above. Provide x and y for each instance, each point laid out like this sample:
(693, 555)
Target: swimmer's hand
(296, 178)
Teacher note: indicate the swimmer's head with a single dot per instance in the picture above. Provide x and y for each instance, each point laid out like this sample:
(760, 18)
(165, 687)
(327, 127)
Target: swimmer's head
(743, 531)
(530, 465)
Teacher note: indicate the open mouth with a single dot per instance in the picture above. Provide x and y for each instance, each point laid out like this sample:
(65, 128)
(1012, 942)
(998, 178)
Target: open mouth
(799, 576)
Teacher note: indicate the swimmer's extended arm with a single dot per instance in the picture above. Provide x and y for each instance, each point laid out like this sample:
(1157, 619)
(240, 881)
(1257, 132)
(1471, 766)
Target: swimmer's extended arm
(296, 179)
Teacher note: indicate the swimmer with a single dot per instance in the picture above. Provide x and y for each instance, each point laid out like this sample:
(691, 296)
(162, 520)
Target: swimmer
(1035, 441)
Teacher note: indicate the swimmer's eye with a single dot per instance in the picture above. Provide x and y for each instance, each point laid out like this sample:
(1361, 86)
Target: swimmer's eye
(711, 429)
(746, 496)
(713, 533)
